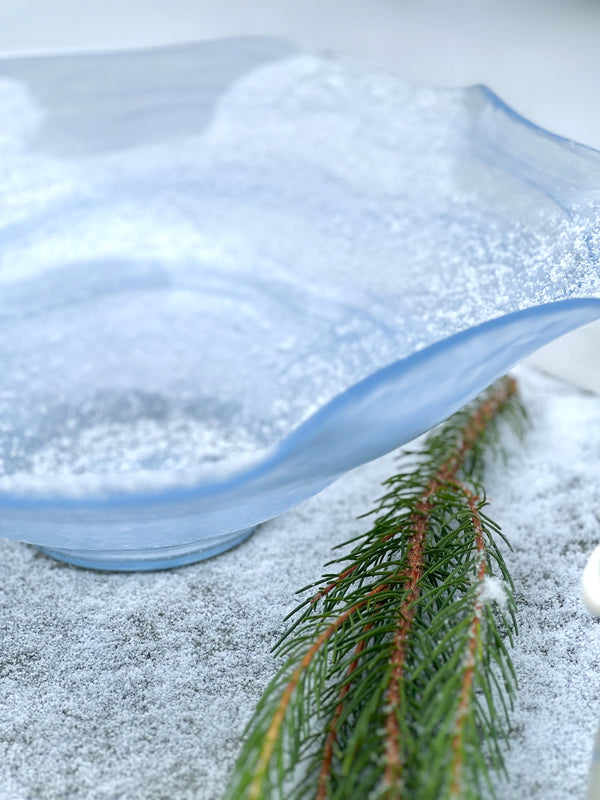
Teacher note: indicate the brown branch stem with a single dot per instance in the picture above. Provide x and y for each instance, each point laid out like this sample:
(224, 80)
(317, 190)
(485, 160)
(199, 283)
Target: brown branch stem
(411, 576)
(473, 644)
(476, 425)
(419, 524)
(332, 734)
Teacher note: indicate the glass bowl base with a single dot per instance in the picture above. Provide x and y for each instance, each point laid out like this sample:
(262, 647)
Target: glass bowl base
(150, 559)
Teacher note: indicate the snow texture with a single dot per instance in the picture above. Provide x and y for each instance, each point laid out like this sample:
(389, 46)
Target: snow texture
(138, 686)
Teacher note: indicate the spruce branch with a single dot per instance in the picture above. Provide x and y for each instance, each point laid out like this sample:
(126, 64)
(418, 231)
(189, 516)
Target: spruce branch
(397, 682)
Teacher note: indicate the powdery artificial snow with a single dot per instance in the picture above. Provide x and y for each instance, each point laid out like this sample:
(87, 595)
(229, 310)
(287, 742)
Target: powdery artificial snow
(138, 686)
(493, 591)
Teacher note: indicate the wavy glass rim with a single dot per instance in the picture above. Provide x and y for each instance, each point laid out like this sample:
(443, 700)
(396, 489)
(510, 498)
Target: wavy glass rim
(527, 330)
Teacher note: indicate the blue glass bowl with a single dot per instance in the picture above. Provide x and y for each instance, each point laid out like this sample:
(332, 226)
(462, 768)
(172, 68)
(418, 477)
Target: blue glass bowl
(231, 272)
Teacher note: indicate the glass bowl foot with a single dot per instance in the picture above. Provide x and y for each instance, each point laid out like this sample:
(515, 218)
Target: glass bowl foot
(149, 559)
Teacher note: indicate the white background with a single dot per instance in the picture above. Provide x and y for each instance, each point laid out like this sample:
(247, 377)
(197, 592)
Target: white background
(542, 57)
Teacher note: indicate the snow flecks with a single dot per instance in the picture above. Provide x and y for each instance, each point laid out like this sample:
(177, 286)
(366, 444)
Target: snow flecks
(493, 591)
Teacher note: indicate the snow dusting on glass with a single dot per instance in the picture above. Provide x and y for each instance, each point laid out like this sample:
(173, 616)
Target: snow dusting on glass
(230, 272)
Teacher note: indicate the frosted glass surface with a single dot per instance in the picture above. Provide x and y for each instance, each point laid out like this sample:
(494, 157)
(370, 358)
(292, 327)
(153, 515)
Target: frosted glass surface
(230, 272)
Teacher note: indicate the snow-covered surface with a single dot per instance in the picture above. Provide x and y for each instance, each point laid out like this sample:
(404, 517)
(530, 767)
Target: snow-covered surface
(138, 686)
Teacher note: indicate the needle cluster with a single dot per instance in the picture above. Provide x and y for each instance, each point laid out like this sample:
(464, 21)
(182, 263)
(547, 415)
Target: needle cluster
(397, 682)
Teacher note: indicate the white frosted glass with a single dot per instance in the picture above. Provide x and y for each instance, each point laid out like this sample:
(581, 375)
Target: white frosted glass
(229, 272)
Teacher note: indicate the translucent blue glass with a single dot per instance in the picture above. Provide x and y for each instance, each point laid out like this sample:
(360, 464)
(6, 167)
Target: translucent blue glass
(231, 272)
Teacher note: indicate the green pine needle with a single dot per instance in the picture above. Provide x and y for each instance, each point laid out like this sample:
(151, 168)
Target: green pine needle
(397, 682)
